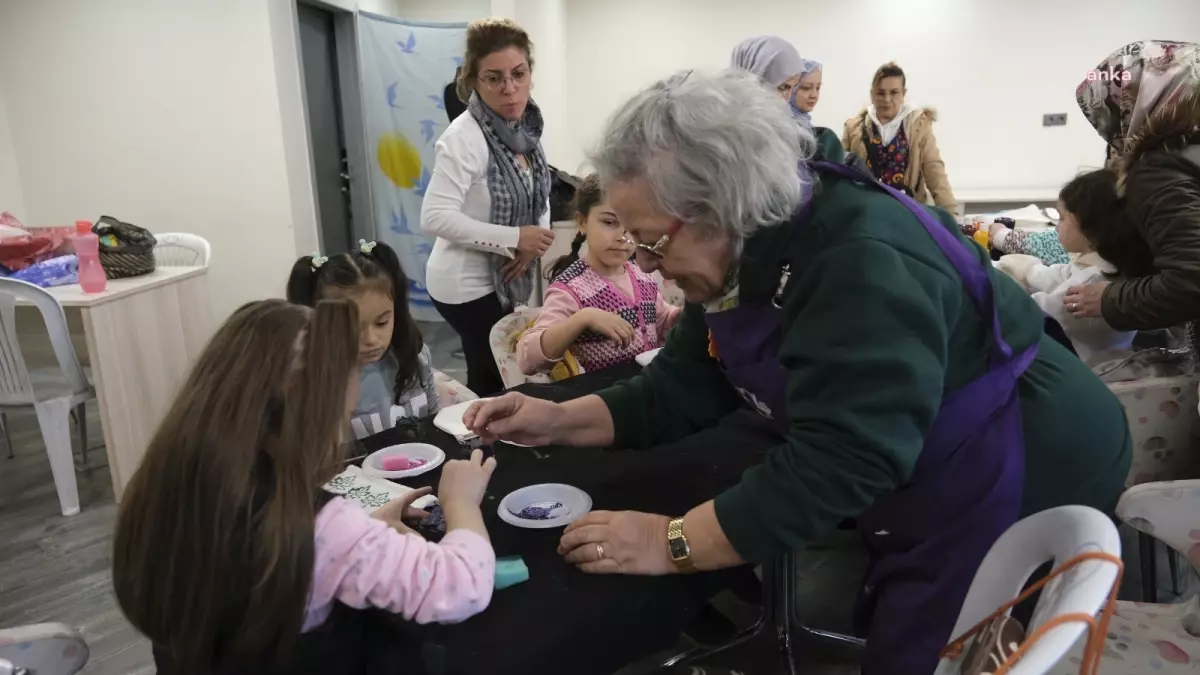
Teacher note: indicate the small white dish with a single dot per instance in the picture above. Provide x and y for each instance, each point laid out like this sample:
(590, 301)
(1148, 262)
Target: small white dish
(645, 358)
(450, 420)
(433, 456)
(544, 506)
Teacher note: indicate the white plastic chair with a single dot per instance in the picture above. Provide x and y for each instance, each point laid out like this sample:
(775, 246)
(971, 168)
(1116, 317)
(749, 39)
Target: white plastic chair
(1158, 637)
(52, 401)
(1056, 535)
(503, 338)
(42, 649)
(180, 249)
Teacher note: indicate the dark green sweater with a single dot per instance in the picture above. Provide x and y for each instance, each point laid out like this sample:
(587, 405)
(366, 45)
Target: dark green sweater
(877, 327)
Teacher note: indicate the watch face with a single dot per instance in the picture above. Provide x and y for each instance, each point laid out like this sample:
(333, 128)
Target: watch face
(679, 549)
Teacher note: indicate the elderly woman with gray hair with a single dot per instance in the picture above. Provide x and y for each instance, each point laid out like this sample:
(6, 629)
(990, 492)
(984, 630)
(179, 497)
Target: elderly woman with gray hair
(912, 387)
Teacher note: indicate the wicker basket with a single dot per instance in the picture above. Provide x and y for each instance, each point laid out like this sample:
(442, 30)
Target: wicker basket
(126, 250)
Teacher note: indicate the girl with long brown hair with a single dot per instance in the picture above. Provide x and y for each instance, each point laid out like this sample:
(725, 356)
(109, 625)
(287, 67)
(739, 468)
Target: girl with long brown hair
(230, 557)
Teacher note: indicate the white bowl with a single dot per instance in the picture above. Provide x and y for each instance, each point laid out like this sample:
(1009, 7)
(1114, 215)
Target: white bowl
(572, 503)
(433, 456)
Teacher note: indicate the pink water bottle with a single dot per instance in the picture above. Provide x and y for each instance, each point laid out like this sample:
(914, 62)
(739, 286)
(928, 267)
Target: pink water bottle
(87, 249)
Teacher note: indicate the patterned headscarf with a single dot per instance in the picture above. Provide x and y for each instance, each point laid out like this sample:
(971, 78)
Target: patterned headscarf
(1133, 83)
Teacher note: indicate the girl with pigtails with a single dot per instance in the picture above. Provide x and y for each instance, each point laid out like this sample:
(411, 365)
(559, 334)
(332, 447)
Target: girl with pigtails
(396, 380)
(600, 305)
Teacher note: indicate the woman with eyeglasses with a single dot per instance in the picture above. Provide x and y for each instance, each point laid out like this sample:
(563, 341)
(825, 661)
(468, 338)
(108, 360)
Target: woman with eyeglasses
(898, 143)
(488, 202)
(910, 385)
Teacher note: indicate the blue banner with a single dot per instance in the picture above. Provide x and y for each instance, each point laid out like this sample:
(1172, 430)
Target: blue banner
(405, 69)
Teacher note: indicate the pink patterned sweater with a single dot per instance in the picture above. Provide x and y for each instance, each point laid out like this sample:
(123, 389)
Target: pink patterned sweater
(363, 562)
(633, 295)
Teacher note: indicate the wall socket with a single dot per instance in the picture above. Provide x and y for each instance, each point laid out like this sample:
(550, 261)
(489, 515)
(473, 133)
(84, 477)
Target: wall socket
(1054, 120)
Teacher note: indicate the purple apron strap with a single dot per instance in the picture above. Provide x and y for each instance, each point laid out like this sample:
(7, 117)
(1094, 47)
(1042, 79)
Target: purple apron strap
(975, 278)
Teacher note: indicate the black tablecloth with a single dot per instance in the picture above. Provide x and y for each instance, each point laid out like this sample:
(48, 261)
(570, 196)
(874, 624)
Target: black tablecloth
(564, 621)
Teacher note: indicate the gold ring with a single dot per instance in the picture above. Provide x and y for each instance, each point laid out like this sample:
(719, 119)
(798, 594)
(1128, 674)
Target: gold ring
(599, 552)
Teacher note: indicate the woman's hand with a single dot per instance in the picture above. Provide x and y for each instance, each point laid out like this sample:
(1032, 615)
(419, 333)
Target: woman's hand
(624, 542)
(464, 481)
(1084, 302)
(514, 417)
(517, 266)
(534, 240)
(608, 324)
(398, 512)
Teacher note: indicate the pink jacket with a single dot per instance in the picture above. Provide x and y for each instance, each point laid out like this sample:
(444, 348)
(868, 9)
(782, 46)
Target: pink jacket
(363, 562)
(560, 305)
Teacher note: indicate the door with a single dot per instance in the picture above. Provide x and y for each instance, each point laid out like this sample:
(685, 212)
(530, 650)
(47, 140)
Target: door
(326, 129)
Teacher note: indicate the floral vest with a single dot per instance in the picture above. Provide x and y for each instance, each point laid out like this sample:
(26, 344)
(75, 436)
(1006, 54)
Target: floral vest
(593, 350)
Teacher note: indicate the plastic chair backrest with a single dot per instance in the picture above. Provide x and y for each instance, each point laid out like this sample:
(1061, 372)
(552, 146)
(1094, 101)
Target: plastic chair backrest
(15, 385)
(181, 249)
(1055, 535)
(502, 339)
(1168, 510)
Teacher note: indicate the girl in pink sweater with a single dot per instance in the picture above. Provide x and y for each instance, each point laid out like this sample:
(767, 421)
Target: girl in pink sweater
(601, 306)
(227, 553)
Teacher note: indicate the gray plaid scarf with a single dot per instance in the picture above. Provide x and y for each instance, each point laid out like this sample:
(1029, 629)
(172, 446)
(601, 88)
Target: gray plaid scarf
(514, 202)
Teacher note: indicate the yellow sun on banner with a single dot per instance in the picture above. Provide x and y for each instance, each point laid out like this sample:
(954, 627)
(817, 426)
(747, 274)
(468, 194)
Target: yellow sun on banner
(398, 160)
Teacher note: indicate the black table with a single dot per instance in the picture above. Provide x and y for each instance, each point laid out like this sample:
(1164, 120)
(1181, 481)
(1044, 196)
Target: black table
(563, 620)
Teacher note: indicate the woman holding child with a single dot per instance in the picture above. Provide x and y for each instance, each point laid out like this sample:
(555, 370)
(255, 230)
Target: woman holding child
(1149, 115)
(848, 316)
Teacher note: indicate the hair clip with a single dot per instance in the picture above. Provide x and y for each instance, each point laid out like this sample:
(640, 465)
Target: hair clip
(366, 246)
(318, 260)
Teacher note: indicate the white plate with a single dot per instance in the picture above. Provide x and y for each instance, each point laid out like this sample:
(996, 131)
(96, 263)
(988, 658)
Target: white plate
(645, 358)
(450, 421)
(433, 456)
(574, 503)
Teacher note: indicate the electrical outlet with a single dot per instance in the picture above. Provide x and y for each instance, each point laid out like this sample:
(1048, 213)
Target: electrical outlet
(1054, 120)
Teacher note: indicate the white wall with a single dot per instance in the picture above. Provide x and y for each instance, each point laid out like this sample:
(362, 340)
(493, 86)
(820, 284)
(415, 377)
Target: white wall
(12, 196)
(429, 10)
(546, 23)
(991, 68)
(164, 113)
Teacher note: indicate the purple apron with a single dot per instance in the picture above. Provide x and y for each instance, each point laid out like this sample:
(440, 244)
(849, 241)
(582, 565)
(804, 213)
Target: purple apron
(927, 538)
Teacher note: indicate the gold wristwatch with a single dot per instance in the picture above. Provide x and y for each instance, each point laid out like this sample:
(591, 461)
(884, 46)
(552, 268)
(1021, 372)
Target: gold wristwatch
(681, 553)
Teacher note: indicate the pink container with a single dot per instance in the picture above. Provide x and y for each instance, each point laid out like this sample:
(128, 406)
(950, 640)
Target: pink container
(87, 249)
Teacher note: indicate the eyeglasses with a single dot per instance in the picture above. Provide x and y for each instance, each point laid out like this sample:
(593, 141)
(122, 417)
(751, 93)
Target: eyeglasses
(657, 248)
(496, 81)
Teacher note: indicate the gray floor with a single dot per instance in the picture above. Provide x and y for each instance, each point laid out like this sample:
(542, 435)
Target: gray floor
(57, 569)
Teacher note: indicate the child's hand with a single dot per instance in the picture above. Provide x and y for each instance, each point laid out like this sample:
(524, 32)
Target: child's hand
(397, 511)
(995, 230)
(464, 481)
(610, 325)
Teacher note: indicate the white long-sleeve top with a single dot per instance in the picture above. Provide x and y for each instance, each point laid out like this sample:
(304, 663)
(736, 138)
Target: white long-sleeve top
(456, 209)
(1094, 340)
